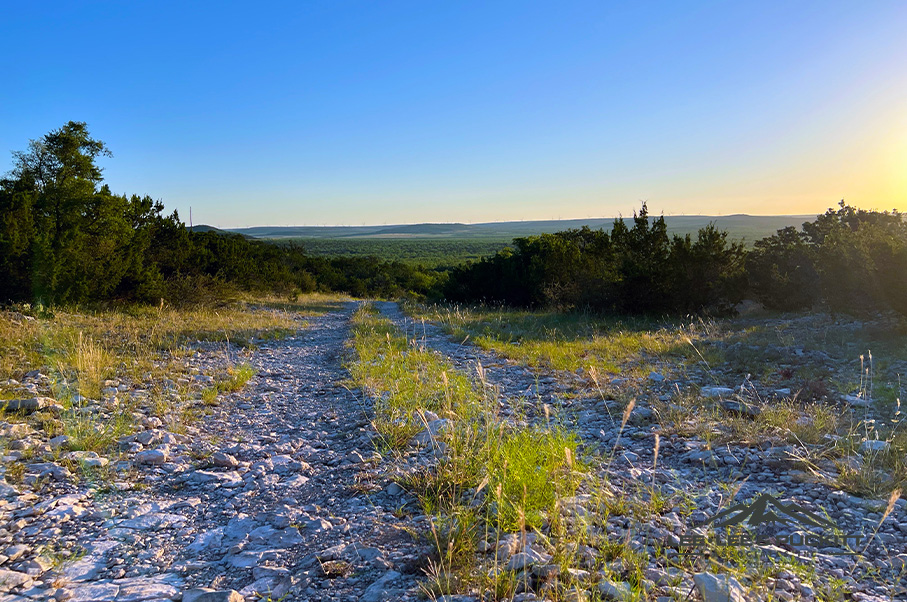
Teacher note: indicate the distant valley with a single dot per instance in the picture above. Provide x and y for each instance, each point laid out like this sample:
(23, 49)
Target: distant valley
(740, 226)
(446, 244)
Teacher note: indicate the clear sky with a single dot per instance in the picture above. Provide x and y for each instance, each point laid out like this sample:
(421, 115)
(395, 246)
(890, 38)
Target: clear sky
(338, 112)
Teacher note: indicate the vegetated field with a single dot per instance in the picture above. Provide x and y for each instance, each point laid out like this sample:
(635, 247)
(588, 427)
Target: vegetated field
(441, 245)
(631, 427)
(426, 252)
(86, 354)
(788, 366)
(531, 451)
(749, 227)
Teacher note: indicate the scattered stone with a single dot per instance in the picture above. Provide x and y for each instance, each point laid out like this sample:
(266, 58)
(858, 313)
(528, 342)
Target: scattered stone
(28, 406)
(718, 588)
(154, 457)
(224, 460)
(299, 460)
(716, 391)
(12, 579)
(874, 446)
(211, 595)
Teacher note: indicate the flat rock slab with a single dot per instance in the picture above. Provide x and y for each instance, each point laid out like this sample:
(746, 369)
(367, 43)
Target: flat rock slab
(12, 579)
(32, 404)
(218, 479)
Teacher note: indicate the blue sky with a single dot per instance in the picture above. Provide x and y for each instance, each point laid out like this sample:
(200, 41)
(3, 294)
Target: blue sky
(385, 112)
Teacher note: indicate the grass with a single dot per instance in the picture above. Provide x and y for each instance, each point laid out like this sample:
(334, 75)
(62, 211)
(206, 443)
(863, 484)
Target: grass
(491, 476)
(237, 377)
(766, 347)
(307, 304)
(784, 420)
(818, 358)
(88, 433)
(404, 381)
(565, 341)
(84, 354)
(84, 348)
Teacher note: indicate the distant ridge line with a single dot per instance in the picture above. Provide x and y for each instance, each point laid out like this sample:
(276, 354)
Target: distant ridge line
(739, 226)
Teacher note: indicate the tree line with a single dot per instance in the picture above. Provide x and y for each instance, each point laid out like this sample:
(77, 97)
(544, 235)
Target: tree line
(847, 260)
(66, 238)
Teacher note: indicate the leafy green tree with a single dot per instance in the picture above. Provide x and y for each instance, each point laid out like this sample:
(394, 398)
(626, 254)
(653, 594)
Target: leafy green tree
(782, 271)
(849, 260)
(706, 274)
(73, 223)
(17, 232)
(635, 269)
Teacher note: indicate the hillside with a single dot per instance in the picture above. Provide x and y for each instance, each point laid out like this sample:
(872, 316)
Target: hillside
(747, 227)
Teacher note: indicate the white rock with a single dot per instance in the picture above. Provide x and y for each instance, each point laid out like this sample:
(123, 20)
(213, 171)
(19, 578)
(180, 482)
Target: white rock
(219, 479)
(26, 405)
(527, 558)
(430, 433)
(93, 592)
(615, 591)
(142, 589)
(377, 590)
(209, 540)
(857, 401)
(224, 460)
(59, 441)
(716, 391)
(718, 588)
(874, 446)
(354, 457)
(153, 457)
(211, 595)
(13, 579)
(318, 525)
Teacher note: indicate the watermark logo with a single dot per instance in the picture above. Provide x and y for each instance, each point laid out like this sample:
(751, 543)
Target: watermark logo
(742, 521)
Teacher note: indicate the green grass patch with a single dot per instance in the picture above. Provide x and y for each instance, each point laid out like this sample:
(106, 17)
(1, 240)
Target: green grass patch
(491, 474)
(565, 341)
(237, 377)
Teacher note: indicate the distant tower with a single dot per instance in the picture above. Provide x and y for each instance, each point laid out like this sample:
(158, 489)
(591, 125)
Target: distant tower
(190, 219)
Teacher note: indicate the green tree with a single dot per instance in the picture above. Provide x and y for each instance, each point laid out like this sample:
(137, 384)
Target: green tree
(60, 170)
(17, 233)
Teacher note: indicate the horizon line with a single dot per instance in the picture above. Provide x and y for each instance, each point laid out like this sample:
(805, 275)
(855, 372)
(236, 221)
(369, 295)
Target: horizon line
(569, 219)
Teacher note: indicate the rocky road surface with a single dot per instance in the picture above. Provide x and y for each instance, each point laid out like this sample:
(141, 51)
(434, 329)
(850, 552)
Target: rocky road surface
(280, 493)
(278, 496)
(711, 478)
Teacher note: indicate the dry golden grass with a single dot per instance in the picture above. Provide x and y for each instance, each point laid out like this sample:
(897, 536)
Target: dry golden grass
(566, 341)
(88, 347)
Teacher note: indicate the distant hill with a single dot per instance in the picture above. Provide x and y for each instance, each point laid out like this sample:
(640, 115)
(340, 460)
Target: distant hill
(206, 228)
(741, 226)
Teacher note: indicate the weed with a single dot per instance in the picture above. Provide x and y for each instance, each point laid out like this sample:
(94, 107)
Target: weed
(15, 472)
(238, 376)
(87, 433)
(489, 475)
